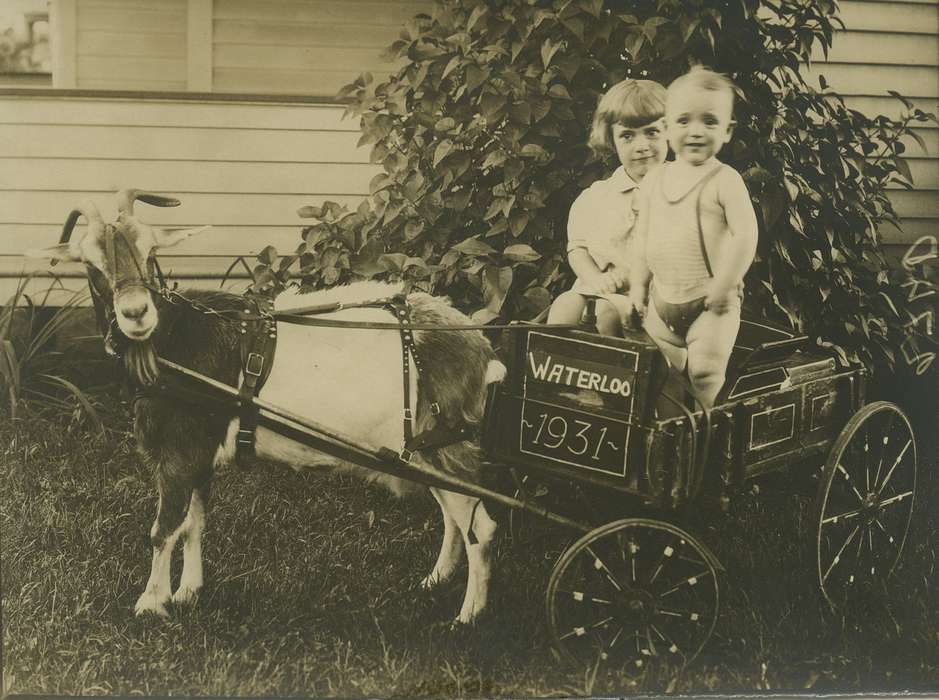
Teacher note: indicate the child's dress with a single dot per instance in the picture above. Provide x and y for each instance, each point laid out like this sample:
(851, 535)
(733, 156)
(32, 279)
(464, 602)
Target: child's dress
(601, 222)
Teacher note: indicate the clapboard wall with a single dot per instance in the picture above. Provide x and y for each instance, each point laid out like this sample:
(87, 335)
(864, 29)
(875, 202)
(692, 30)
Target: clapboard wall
(246, 163)
(893, 45)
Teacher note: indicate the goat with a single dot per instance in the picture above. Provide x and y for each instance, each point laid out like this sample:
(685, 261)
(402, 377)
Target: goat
(335, 376)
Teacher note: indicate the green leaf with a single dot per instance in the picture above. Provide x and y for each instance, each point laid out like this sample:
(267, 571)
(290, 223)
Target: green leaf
(533, 150)
(475, 16)
(491, 104)
(521, 252)
(473, 246)
(496, 284)
(548, 49)
(442, 151)
(475, 76)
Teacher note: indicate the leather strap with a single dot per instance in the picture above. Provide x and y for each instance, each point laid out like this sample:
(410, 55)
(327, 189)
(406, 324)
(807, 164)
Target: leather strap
(258, 344)
(697, 212)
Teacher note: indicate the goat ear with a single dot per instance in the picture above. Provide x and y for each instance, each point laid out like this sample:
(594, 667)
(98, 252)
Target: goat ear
(165, 237)
(64, 252)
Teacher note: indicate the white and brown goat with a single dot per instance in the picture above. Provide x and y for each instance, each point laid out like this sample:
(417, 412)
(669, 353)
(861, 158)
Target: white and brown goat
(344, 378)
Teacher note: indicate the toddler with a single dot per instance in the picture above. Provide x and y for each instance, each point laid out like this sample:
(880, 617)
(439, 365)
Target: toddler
(628, 121)
(696, 236)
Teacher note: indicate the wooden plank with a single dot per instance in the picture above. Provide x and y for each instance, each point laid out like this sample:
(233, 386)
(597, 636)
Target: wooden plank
(882, 47)
(293, 58)
(915, 18)
(111, 112)
(155, 19)
(215, 209)
(916, 204)
(137, 44)
(199, 45)
(184, 176)
(63, 25)
(311, 82)
(910, 230)
(124, 5)
(293, 34)
(15, 239)
(925, 173)
(321, 11)
(858, 79)
(130, 71)
(159, 143)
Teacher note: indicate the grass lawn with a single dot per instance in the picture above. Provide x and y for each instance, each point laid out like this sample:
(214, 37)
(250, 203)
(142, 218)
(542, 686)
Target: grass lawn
(311, 590)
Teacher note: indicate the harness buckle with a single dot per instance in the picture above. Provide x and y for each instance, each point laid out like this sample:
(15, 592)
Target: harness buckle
(254, 360)
(405, 455)
(435, 409)
(407, 414)
(245, 437)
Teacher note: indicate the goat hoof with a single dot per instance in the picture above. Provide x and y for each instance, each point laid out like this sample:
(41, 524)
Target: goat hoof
(185, 595)
(432, 581)
(463, 622)
(148, 604)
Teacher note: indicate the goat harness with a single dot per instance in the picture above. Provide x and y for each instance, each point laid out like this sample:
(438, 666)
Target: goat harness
(257, 328)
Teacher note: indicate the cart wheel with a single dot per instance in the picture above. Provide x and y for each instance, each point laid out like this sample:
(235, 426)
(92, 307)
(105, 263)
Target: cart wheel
(633, 591)
(865, 500)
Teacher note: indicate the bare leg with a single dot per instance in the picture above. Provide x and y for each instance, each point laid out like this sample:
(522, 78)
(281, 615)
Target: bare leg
(671, 345)
(451, 548)
(567, 308)
(478, 554)
(710, 342)
(608, 319)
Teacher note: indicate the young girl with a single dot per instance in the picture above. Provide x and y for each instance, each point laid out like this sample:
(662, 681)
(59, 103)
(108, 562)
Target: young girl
(628, 122)
(695, 237)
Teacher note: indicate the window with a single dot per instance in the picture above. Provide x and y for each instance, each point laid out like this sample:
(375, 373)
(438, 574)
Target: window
(24, 38)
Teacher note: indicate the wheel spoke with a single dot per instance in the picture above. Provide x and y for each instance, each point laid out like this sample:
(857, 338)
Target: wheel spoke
(604, 655)
(691, 581)
(886, 439)
(672, 646)
(896, 499)
(841, 516)
(693, 616)
(667, 552)
(896, 462)
(840, 551)
(600, 566)
(582, 597)
(581, 631)
(847, 477)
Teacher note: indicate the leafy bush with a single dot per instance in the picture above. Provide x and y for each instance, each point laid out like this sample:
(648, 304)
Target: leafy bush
(481, 137)
(34, 373)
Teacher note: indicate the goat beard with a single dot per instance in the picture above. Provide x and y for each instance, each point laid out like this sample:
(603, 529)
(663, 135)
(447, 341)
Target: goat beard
(141, 363)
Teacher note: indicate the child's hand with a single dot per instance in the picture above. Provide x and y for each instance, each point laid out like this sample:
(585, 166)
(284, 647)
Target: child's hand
(620, 278)
(721, 297)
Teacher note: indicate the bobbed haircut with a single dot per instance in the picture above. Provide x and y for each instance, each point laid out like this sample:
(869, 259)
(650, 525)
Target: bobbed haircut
(632, 103)
(704, 79)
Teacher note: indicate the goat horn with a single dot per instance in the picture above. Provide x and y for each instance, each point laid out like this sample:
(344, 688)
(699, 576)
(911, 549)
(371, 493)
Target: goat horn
(127, 197)
(88, 210)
